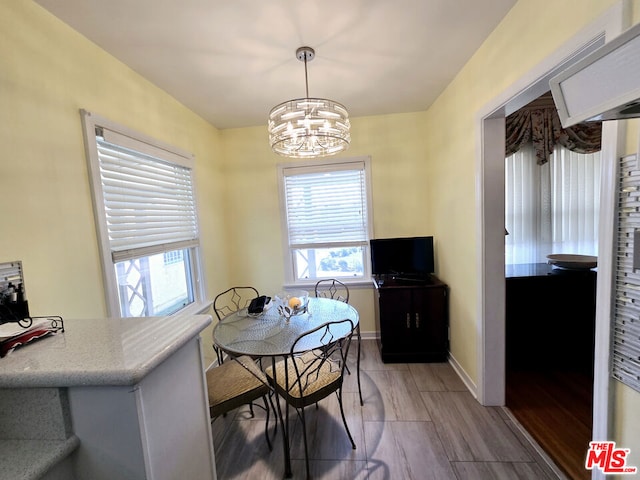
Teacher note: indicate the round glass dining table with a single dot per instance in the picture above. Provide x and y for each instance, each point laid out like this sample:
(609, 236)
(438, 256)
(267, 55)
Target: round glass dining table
(270, 334)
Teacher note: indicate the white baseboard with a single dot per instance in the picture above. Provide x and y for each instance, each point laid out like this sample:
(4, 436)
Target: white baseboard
(471, 386)
(463, 376)
(370, 335)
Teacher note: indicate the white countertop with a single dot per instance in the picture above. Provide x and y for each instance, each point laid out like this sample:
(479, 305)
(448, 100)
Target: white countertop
(108, 351)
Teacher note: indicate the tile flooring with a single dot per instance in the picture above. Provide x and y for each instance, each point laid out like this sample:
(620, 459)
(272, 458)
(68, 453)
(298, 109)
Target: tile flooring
(418, 422)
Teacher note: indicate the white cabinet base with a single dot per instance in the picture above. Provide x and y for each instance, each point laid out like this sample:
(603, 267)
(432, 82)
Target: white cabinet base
(158, 429)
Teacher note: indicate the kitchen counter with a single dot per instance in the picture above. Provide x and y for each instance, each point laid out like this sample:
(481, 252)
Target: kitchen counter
(523, 270)
(527, 270)
(108, 398)
(117, 351)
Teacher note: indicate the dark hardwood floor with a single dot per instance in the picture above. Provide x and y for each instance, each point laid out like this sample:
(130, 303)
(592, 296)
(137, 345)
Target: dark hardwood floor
(550, 339)
(555, 407)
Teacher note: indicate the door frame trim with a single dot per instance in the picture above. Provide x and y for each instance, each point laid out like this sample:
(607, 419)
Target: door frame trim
(490, 217)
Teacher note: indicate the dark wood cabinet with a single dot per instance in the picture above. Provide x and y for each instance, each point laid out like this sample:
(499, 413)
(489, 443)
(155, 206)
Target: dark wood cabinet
(550, 318)
(412, 317)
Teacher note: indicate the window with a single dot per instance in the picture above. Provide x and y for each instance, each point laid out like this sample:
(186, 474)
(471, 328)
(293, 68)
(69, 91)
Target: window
(326, 219)
(551, 208)
(146, 220)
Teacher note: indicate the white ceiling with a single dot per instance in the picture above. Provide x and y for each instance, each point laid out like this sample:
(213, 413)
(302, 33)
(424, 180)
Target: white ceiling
(231, 61)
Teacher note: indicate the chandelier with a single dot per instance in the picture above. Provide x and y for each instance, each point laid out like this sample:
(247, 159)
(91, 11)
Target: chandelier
(308, 127)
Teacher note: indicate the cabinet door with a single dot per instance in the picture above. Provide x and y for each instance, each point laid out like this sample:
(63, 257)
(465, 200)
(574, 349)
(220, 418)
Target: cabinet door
(395, 319)
(430, 334)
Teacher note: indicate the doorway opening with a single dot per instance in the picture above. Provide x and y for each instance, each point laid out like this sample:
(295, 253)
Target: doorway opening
(551, 207)
(491, 133)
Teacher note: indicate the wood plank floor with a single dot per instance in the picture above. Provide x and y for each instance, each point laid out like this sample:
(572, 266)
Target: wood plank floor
(556, 409)
(419, 422)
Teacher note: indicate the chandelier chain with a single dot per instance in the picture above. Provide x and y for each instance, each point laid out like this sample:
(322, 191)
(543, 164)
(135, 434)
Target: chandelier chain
(306, 78)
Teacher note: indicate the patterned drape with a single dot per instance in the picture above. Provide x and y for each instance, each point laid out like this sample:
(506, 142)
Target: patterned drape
(539, 124)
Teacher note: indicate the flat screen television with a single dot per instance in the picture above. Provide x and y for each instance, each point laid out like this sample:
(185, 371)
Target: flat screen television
(410, 257)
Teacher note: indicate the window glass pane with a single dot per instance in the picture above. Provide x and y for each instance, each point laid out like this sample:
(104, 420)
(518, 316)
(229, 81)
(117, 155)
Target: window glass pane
(154, 285)
(329, 262)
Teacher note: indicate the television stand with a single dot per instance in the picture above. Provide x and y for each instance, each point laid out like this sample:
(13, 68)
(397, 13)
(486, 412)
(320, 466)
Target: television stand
(412, 316)
(399, 279)
(416, 280)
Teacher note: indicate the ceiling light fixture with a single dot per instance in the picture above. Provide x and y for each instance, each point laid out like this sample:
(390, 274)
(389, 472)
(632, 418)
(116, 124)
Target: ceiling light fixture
(308, 127)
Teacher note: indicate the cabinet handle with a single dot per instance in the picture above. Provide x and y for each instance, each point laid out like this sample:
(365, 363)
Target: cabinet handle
(417, 320)
(408, 320)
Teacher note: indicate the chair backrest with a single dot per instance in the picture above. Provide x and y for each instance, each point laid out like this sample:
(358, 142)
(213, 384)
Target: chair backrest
(233, 299)
(332, 288)
(319, 356)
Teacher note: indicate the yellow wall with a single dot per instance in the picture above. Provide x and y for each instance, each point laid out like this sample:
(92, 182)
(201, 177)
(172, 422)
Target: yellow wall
(396, 146)
(48, 72)
(531, 31)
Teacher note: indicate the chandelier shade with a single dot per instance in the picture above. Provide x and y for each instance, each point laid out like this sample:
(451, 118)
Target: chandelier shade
(309, 127)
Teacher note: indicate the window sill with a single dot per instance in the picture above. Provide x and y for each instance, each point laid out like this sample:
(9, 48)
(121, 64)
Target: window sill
(310, 285)
(201, 308)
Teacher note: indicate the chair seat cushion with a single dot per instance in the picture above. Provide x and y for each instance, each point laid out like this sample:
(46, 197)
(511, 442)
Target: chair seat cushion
(232, 385)
(318, 378)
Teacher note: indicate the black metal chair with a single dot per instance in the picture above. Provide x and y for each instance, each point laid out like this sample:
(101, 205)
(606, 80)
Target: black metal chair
(225, 303)
(335, 289)
(308, 375)
(235, 383)
(332, 288)
(230, 301)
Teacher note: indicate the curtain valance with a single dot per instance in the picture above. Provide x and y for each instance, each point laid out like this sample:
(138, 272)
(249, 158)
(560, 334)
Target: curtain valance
(538, 123)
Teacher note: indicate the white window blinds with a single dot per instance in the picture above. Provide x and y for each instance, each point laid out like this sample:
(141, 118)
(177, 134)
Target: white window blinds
(149, 201)
(326, 206)
(551, 208)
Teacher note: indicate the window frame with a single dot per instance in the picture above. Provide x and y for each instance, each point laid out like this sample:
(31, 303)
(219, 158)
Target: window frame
(168, 153)
(315, 165)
